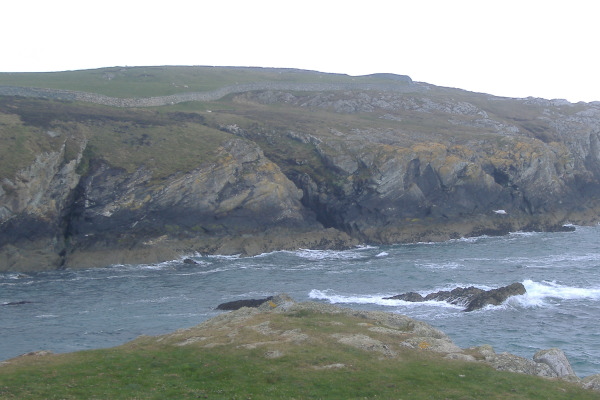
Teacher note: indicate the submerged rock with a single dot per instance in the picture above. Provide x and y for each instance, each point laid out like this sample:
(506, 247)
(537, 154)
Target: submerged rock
(17, 303)
(471, 297)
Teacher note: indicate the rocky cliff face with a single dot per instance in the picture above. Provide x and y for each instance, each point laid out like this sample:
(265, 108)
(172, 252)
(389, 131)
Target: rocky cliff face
(445, 167)
(271, 169)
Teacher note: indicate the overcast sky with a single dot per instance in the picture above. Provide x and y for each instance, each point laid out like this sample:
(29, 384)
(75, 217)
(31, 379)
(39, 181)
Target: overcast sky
(515, 48)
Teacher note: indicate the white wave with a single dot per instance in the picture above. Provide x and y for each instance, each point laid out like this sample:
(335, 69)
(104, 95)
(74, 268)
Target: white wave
(450, 286)
(540, 294)
(521, 233)
(377, 299)
(46, 316)
(449, 265)
(315, 254)
(163, 299)
(383, 254)
(472, 239)
(225, 257)
(366, 247)
(328, 254)
(552, 261)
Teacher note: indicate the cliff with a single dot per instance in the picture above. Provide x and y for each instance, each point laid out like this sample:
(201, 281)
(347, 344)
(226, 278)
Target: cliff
(271, 165)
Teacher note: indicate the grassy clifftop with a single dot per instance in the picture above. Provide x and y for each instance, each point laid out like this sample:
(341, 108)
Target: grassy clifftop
(168, 80)
(301, 352)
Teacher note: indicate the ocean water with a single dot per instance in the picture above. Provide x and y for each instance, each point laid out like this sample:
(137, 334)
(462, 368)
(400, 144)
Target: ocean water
(73, 310)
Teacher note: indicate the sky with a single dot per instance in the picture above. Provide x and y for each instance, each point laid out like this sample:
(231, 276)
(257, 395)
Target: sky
(514, 48)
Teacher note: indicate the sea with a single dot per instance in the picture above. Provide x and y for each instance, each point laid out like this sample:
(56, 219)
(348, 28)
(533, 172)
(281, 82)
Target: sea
(80, 309)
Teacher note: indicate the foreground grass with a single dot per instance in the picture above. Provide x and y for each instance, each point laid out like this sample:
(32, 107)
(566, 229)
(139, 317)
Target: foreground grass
(151, 368)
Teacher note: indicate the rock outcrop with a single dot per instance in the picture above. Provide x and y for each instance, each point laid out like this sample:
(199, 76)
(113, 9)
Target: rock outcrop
(379, 332)
(237, 304)
(282, 166)
(472, 298)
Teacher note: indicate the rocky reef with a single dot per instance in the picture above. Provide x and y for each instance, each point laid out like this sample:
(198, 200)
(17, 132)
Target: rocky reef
(272, 167)
(471, 297)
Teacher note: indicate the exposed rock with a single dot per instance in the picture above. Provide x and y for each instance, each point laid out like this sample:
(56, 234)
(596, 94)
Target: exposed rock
(474, 298)
(458, 296)
(189, 261)
(556, 360)
(281, 302)
(237, 304)
(484, 350)
(512, 363)
(410, 296)
(374, 331)
(591, 382)
(495, 296)
(460, 356)
(428, 164)
(439, 345)
(273, 354)
(364, 342)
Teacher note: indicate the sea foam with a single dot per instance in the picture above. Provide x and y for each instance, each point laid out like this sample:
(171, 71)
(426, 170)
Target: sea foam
(546, 293)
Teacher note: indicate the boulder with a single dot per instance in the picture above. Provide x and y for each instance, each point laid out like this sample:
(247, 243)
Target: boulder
(556, 360)
(512, 363)
(591, 382)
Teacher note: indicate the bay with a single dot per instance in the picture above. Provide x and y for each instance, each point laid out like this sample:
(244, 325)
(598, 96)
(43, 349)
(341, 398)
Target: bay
(74, 310)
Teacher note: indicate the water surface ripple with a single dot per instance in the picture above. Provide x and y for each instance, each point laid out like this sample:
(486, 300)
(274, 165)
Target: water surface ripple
(83, 309)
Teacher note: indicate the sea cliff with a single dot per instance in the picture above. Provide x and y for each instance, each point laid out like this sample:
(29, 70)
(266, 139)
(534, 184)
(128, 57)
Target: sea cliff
(258, 167)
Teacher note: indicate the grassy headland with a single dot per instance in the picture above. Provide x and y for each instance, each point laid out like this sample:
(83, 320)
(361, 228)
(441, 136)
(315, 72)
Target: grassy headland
(298, 354)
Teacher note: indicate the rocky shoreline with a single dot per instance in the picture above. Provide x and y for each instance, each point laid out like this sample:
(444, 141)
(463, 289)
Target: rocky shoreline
(401, 331)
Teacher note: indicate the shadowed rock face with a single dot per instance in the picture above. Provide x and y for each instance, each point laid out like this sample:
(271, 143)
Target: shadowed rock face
(473, 298)
(237, 304)
(279, 168)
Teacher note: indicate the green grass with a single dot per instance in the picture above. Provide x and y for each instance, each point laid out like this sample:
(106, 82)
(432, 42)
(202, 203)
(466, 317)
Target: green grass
(165, 142)
(165, 80)
(158, 369)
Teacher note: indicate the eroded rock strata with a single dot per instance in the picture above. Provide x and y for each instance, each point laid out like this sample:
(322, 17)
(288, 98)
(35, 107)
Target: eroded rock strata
(272, 167)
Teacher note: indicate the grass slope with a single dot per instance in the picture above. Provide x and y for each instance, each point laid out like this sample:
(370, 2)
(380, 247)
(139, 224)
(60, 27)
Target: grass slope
(166, 142)
(166, 80)
(266, 356)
